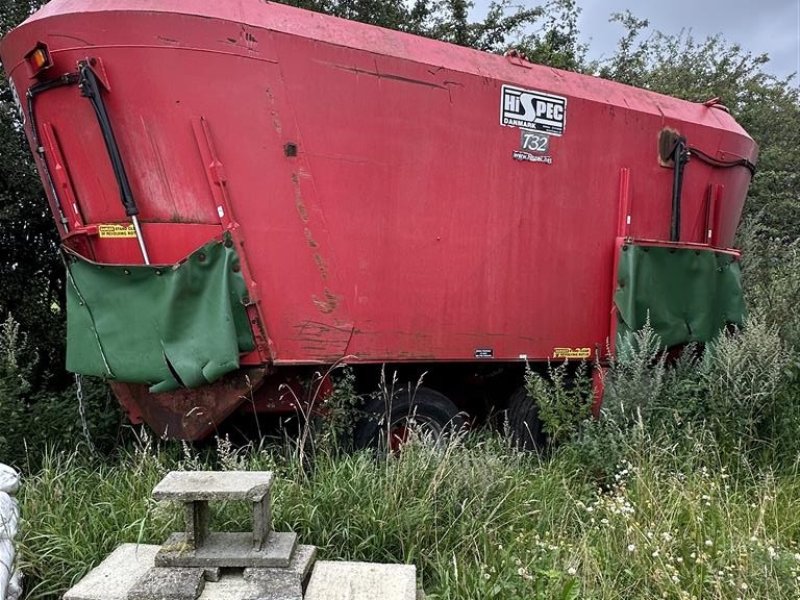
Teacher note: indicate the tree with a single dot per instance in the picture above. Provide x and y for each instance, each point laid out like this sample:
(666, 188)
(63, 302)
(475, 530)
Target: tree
(556, 43)
(766, 106)
(30, 268)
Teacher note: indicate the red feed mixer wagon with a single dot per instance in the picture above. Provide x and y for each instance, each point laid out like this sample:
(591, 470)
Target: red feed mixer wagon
(248, 192)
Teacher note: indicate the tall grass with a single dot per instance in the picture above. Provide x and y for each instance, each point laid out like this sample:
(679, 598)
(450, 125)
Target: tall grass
(480, 520)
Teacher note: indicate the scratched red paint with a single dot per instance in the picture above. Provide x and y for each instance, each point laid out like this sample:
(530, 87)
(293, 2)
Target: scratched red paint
(402, 229)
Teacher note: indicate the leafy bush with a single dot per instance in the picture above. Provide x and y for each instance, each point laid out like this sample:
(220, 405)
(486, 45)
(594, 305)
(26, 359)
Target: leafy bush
(564, 399)
(738, 395)
(35, 418)
(16, 362)
(771, 278)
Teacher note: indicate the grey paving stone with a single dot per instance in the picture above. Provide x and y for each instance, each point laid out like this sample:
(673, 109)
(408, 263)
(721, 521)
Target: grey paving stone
(168, 584)
(362, 581)
(228, 550)
(190, 486)
(301, 564)
(280, 585)
(113, 577)
(229, 587)
(233, 586)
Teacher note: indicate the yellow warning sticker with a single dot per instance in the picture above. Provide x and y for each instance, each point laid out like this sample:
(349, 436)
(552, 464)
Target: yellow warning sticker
(572, 353)
(115, 230)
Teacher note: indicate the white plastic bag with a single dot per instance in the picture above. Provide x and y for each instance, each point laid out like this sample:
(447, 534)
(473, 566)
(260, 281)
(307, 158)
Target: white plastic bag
(6, 567)
(15, 586)
(10, 579)
(9, 480)
(9, 518)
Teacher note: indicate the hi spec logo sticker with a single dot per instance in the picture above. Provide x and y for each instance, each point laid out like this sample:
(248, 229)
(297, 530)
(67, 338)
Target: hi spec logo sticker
(115, 230)
(535, 111)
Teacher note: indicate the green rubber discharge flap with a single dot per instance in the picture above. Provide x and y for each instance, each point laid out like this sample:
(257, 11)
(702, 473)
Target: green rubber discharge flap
(175, 326)
(689, 295)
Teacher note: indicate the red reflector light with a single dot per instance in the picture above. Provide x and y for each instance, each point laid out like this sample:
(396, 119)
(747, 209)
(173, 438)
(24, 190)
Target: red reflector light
(39, 58)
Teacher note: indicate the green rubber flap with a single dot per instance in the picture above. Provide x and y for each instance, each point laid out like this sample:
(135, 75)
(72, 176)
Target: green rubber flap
(689, 294)
(169, 327)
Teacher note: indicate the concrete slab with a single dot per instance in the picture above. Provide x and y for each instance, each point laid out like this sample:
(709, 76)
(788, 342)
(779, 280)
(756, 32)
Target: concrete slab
(362, 581)
(228, 550)
(168, 584)
(229, 587)
(233, 586)
(301, 564)
(191, 486)
(113, 577)
(281, 585)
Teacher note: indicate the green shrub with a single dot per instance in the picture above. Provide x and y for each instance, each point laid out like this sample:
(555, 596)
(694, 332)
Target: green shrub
(771, 278)
(564, 399)
(34, 418)
(738, 395)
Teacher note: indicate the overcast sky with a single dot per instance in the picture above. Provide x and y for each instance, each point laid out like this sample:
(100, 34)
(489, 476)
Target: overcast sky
(770, 26)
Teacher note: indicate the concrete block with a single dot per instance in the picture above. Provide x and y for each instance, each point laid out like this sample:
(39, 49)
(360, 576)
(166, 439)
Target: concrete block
(262, 522)
(300, 565)
(116, 575)
(280, 585)
(213, 573)
(229, 587)
(191, 486)
(197, 518)
(168, 584)
(233, 586)
(362, 581)
(228, 550)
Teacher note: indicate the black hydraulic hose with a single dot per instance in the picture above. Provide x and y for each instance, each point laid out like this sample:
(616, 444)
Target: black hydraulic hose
(722, 164)
(35, 90)
(90, 89)
(30, 97)
(679, 156)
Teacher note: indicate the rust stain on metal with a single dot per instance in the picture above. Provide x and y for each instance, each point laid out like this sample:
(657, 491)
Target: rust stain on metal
(190, 414)
(276, 121)
(321, 266)
(319, 337)
(310, 238)
(298, 199)
(328, 304)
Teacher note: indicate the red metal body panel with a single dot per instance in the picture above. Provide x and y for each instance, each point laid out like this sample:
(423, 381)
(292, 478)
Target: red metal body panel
(403, 229)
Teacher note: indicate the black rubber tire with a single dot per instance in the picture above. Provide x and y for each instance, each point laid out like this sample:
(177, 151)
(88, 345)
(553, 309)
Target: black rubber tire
(433, 413)
(524, 424)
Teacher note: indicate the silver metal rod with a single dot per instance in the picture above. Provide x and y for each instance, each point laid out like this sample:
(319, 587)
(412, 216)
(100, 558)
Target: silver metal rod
(140, 239)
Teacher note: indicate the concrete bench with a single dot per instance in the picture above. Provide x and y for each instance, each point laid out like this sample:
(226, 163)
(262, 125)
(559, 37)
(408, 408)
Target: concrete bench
(198, 546)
